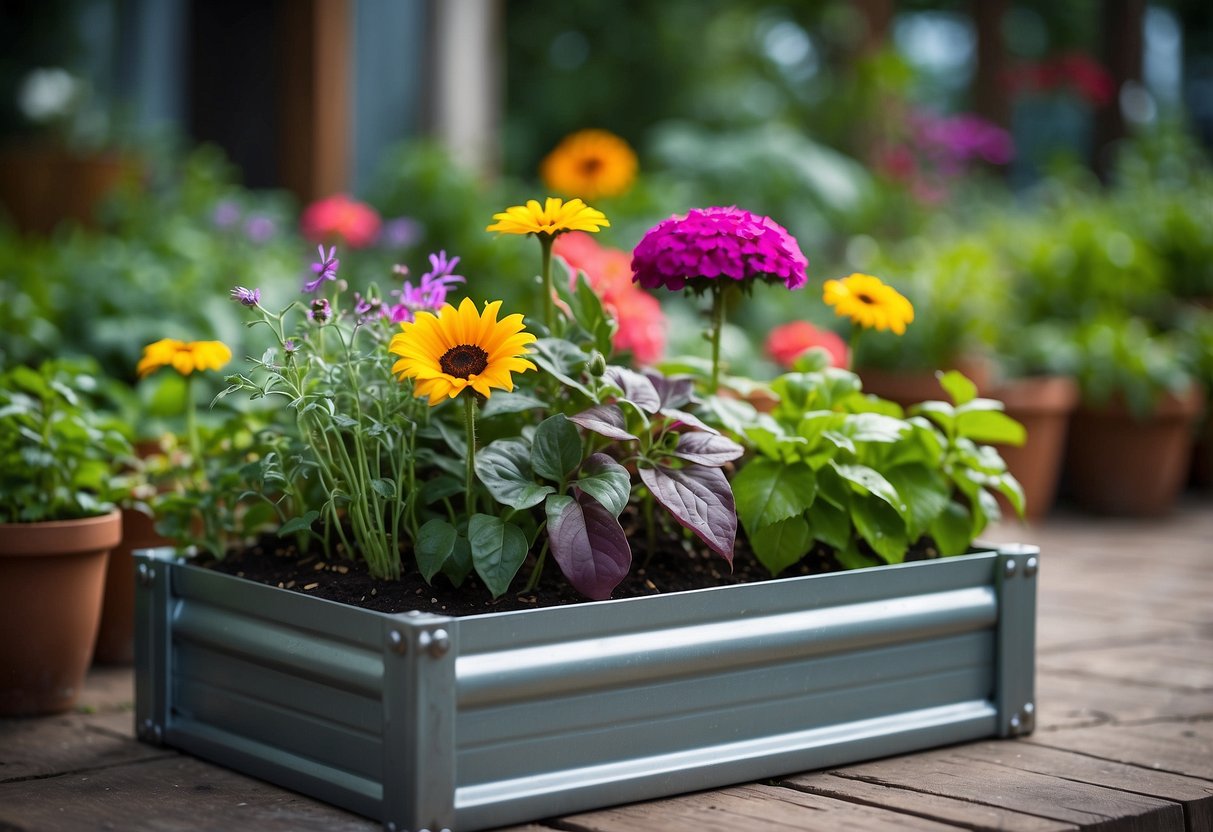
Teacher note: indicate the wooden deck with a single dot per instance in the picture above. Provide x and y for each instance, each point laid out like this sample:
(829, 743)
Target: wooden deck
(1124, 738)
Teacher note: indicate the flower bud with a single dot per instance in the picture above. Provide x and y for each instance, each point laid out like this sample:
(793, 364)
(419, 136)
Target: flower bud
(596, 365)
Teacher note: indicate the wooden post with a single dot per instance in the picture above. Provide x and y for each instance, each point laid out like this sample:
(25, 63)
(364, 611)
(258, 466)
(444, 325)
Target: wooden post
(315, 76)
(1123, 46)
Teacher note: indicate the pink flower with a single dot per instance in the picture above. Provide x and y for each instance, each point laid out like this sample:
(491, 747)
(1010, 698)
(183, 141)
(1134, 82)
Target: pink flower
(340, 219)
(713, 243)
(788, 342)
(642, 325)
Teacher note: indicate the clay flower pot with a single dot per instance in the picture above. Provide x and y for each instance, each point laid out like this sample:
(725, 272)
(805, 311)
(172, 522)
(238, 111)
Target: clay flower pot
(51, 579)
(1120, 464)
(116, 634)
(909, 387)
(1042, 404)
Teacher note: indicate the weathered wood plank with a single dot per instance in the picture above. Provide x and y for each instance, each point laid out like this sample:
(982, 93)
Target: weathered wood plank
(1065, 701)
(53, 745)
(179, 793)
(1180, 747)
(1185, 665)
(751, 808)
(964, 813)
(949, 774)
(1195, 795)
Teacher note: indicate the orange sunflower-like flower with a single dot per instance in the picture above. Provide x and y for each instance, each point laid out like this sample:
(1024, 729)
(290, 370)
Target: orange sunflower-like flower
(459, 349)
(554, 217)
(869, 302)
(590, 164)
(184, 357)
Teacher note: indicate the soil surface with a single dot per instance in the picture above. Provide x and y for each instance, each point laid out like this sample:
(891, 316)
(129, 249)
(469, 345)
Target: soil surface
(678, 564)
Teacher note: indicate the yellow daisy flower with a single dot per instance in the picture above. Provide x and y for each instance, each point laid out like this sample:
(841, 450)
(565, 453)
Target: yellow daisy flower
(869, 302)
(555, 217)
(590, 164)
(184, 357)
(460, 348)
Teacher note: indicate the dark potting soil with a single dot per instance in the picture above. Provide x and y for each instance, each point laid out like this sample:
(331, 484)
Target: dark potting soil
(678, 564)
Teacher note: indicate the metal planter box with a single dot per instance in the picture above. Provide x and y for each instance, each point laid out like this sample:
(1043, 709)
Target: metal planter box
(429, 722)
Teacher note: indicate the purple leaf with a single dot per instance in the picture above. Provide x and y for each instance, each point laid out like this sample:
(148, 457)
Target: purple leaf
(605, 420)
(673, 391)
(700, 499)
(707, 449)
(588, 544)
(636, 388)
(676, 415)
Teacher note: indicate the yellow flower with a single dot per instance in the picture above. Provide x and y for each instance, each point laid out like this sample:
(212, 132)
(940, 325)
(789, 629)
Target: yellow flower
(555, 217)
(590, 164)
(460, 348)
(869, 302)
(184, 357)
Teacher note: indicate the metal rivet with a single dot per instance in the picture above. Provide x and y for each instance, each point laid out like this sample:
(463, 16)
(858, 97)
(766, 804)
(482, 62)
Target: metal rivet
(1010, 568)
(391, 826)
(398, 642)
(1029, 708)
(146, 574)
(1015, 723)
(1029, 568)
(157, 734)
(435, 643)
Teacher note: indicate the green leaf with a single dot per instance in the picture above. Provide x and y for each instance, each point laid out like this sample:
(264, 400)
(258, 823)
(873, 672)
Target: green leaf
(925, 491)
(556, 450)
(384, 487)
(782, 544)
(941, 413)
(767, 491)
(882, 527)
(562, 360)
(606, 481)
(873, 427)
(990, 426)
(434, 544)
(504, 401)
(443, 486)
(459, 564)
(852, 558)
(498, 550)
(504, 467)
(830, 524)
(957, 386)
(952, 529)
(298, 524)
(869, 481)
(1013, 491)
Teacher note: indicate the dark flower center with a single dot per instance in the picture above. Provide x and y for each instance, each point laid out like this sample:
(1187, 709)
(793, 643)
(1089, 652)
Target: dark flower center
(591, 165)
(865, 298)
(464, 361)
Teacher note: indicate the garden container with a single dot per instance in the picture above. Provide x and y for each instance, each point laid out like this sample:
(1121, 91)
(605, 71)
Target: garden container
(116, 633)
(1042, 404)
(431, 722)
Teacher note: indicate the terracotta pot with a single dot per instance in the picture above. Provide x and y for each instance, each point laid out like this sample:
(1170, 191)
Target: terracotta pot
(116, 634)
(908, 387)
(1119, 464)
(1042, 404)
(42, 185)
(51, 579)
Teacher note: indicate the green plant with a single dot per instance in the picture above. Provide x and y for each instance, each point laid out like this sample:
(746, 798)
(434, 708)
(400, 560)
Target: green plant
(837, 468)
(1116, 355)
(60, 456)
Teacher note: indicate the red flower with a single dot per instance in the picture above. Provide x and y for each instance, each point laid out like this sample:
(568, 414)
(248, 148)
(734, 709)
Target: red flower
(788, 342)
(340, 219)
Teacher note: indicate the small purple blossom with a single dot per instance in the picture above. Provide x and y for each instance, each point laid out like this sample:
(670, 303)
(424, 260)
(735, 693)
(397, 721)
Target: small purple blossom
(289, 346)
(320, 311)
(431, 291)
(248, 297)
(712, 243)
(400, 232)
(369, 309)
(260, 228)
(325, 269)
(226, 214)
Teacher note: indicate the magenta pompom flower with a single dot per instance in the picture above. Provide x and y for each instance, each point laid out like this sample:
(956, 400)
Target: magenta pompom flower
(713, 244)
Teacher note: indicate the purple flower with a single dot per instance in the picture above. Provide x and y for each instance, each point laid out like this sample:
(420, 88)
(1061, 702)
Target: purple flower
(248, 297)
(961, 138)
(320, 311)
(368, 309)
(259, 228)
(431, 291)
(712, 243)
(289, 346)
(326, 269)
(401, 232)
(226, 214)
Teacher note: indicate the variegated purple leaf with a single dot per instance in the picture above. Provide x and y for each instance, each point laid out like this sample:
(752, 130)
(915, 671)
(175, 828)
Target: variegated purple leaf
(588, 544)
(674, 391)
(700, 499)
(707, 449)
(605, 420)
(636, 388)
(676, 415)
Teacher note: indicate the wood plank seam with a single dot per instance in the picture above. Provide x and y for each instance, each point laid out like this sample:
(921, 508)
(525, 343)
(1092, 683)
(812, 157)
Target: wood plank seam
(154, 758)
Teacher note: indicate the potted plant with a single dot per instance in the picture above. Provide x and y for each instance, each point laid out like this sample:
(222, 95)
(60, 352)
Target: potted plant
(494, 462)
(57, 524)
(1137, 398)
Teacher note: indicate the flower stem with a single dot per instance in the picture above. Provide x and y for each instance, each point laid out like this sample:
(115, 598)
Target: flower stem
(469, 411)
(545, 272)
(191, 424)
(717, 327)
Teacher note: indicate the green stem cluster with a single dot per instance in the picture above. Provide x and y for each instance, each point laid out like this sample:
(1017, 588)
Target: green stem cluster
(717, 328)
(545, 271)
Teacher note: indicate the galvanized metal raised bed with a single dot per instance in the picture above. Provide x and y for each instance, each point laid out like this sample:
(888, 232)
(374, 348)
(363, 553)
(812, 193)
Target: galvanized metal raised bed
(429, 722)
